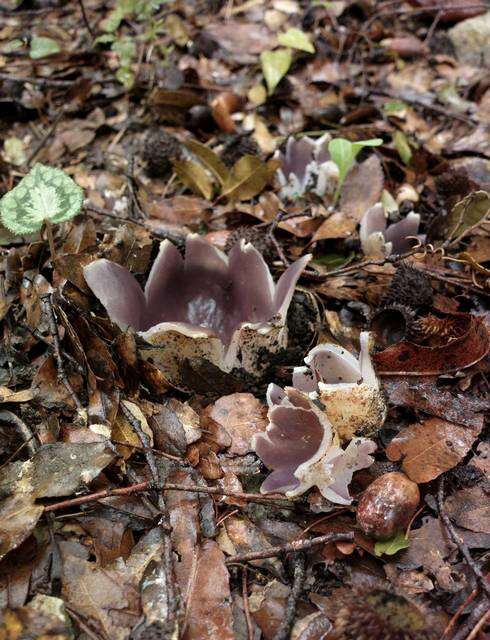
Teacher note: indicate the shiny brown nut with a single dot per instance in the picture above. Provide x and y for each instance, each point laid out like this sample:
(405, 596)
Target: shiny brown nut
(387, 505)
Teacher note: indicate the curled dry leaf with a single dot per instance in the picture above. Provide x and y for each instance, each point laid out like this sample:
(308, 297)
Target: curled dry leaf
(407, 358)
(430, 448)
(242, 415)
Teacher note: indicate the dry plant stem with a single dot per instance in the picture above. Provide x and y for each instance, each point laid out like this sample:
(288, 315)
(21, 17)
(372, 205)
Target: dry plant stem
(85, 19)
(290, 547)
(458, 541)
(53, 330)
(284, 629)
(479, 626)
(246, 608)
(83, 626)
(7, 417)
(478, 612)
(145, 441)
(49, 233)
(41, 82)
(44, 139)
(168, 486)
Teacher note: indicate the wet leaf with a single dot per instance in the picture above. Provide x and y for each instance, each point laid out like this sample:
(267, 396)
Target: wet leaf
(403, 147)
(275, 65)
(430, 448)
(194, 176)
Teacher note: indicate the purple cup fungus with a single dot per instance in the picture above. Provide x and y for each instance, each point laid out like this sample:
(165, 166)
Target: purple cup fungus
(379, 239)
(225, 309)
(302, 449)
(306, 166)
(346, 386)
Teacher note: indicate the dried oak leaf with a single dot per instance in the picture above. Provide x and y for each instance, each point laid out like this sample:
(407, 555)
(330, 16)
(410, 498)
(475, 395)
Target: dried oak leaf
(407, 358)
(430, 448)
(424, 395)
(242, 415)
(362, 188)
(470, 508)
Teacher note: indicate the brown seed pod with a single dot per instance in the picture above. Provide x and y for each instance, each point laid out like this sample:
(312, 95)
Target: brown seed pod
(409, 287)
(392, 323)
(260, 240)
(365, 615)
(236, 147)
(387, 505)
(160, 148)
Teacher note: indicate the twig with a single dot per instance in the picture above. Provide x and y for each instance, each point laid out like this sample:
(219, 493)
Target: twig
(85, 19)
(480, 578)
(290, 547)
(168, 486)
(45, 138)
(479, 626)
(41, 82)
(479, 610)
(53, 330)
(246, 608)
(23, 430)
(298, 583)
(145, 441)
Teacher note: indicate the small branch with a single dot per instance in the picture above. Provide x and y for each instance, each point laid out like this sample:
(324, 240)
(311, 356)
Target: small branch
(44, 139)
(145, 441)
(53, 330)
(480, 578)
(246, 608)
(284, 630)
(7, 417)
(85, 19)
(168, 486)
(290, 547)
(41, 82)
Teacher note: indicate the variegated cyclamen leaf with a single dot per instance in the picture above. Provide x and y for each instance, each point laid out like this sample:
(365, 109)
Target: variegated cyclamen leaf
(45, 193)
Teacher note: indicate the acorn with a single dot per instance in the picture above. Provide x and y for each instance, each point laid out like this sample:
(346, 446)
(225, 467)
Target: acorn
(378, 613)
(391, 324)
(236, 147)
(160, 148)
(387, 505)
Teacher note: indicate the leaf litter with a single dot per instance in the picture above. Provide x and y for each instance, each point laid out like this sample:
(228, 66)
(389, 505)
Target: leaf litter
(343, 145)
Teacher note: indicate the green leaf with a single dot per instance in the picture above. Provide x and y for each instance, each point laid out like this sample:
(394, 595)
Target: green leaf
(45, 193)
(344, 153)
(42, 47)
(105, 38)
(248, 177)
(468, 212)
(296, 39)
(392, 546)
(394, 107)
(125, 49)
(403, 147)
(14, 151)
(13, 45)
(275, 65)
(125, 76)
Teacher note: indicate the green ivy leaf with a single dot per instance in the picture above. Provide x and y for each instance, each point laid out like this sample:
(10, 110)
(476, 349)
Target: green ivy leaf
(296, 39)
(42, 47)
(391, 546)
(275, 65)
(45, 193)
(403, 147)
(344, 153)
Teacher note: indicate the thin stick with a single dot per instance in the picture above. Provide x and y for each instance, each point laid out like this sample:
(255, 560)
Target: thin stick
(45, 138)
(41, 82)
(246, 608)
(284, 629)
(85, 19)
(145, 441)
(49, 233)
(168, 486)
(480, 578)
(479, 626)
(290, 547)
(53, 330)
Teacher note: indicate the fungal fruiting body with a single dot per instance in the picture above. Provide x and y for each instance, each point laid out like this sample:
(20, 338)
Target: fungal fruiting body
(306, 166)
(226, 309)
(347, 387)
(302, 449)
(380, 239)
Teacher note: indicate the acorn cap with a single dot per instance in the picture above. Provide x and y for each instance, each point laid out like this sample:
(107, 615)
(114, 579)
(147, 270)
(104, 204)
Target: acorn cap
(236, 147)
(255, 236)
(159, 150)
(391, 324)
(410, 287)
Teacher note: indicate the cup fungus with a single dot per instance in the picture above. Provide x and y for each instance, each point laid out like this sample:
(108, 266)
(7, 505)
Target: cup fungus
(347, 387)
(225, 309)
(378, 239)
(302, 449)
(306, 166)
